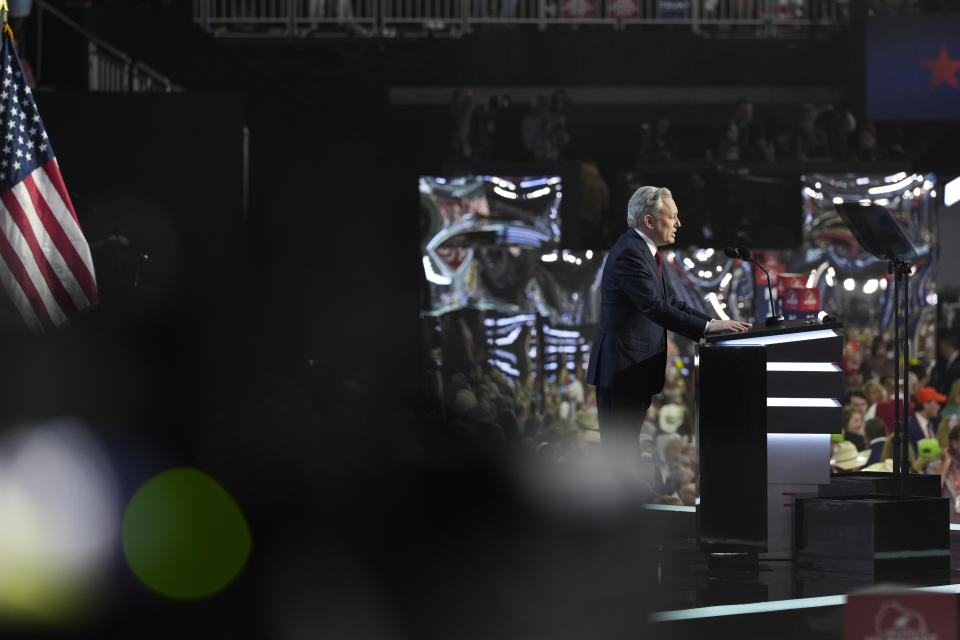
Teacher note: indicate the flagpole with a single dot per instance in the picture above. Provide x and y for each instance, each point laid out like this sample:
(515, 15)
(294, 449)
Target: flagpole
(5, 11)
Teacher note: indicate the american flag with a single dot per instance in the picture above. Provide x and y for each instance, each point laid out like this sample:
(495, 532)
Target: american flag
(45, 264)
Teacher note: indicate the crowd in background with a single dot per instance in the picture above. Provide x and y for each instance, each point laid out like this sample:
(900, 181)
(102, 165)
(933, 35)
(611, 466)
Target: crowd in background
(497, 128)
(932, 413)
(554, 421)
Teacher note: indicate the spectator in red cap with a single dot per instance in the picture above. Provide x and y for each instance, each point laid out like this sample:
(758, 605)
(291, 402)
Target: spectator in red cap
(923, 423)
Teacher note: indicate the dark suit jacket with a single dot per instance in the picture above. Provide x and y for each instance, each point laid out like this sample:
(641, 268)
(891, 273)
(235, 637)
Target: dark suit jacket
(858, 440)
(635, 312)
(915, 433)
(876, 452)
(942, 377)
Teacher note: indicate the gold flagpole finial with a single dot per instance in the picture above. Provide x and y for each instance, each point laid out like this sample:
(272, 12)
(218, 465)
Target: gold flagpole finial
(5, 12)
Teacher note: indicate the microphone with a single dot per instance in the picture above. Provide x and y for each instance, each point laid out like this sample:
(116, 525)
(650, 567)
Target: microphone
(744, 254)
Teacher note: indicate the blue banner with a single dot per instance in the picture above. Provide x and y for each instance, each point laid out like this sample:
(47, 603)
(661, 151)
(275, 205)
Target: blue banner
(912, 67)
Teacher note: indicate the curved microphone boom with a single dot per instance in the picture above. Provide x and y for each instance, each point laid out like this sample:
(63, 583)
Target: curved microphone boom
(744, 254)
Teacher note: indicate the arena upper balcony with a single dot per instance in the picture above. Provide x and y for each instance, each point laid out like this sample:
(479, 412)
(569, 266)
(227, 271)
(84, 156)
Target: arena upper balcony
(302, 19)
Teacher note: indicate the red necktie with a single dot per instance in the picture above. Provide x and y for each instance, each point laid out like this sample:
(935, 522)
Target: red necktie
(656, 256)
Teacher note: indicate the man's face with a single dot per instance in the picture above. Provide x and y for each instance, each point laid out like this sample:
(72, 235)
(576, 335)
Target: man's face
(859, 404)
(663, 229)
(931, 408)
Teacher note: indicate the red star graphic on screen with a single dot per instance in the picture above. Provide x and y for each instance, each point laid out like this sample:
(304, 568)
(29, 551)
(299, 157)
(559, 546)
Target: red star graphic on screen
(943, 69)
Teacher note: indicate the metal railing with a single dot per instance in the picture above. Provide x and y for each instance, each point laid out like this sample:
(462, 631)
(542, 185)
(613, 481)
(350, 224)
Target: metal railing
(108, 68)
(305, 18)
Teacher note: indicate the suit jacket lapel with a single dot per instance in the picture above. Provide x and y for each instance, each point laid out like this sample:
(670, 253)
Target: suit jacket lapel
(645, 251)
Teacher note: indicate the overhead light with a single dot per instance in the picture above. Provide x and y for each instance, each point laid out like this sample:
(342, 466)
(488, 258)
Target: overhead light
(539, 193)
(432, 275)
(703, 255)
(837, 200)
(527, 184)
(951, 192)
(849, 284)
(871, 286)
(888, 188)
(717, 307)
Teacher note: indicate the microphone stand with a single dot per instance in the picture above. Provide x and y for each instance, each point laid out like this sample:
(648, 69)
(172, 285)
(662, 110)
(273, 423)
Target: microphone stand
(774, 319)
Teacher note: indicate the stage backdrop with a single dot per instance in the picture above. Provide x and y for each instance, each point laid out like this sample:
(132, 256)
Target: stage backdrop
(912, 63)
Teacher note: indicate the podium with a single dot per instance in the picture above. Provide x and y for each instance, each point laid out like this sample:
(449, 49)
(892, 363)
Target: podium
(767, 402)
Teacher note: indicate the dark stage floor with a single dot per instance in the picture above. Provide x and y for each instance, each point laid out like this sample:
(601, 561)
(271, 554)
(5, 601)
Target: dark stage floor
(693, 599)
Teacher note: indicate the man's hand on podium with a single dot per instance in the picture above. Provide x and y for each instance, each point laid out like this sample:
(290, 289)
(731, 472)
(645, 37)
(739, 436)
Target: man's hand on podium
(727, 326)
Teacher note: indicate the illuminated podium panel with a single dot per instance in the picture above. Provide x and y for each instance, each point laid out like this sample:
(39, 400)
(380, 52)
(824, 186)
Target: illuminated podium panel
(781, 382)
(804, 383)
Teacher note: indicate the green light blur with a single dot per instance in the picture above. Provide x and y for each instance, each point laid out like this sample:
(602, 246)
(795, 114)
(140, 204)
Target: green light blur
(184, 536)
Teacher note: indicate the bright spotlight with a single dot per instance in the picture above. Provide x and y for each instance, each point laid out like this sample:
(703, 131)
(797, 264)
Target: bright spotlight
(951, 192)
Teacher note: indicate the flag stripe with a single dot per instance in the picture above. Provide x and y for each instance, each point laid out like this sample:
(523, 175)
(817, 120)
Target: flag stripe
(53, 172)
(61, 216)
(14, 200)
(21, 249)
(81, 286)
(13, 302)
(18, 284)
(45, 263)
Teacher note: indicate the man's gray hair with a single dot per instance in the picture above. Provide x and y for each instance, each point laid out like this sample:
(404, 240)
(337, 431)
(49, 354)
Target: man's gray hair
(645, 200)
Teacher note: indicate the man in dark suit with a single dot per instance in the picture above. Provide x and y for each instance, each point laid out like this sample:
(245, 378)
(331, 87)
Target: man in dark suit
(628, 360)
(876, 435)
(947, 368)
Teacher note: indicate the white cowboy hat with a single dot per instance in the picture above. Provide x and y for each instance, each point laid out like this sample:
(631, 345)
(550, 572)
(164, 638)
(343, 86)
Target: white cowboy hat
(884, 465)
(671, 417)
(846, 456)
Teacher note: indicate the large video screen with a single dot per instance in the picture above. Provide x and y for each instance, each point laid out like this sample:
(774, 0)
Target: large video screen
(508, 328)
(487, 211)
